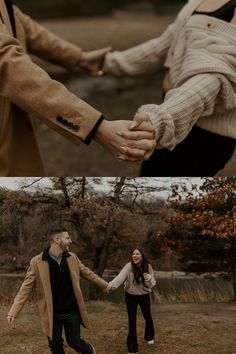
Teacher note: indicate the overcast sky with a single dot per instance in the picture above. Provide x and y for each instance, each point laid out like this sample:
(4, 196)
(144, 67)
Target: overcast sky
(16, 183)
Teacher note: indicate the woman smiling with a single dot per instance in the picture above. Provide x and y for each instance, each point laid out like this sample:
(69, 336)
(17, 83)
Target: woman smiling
(138, 279)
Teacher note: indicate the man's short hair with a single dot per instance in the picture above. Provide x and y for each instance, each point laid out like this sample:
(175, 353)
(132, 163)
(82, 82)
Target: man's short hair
(55, 231)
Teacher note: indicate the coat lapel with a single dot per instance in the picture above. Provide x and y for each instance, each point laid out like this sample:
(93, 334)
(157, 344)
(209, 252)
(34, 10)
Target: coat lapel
(72, 264)
(74, 273)
(6, 18)
(43, 268)
(10, 11)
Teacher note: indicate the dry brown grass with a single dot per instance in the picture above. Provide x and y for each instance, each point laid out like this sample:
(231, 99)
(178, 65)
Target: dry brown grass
(195, 291)
(180, 328)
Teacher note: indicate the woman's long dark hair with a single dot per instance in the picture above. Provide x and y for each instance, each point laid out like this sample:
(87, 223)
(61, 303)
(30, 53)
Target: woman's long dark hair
(138, 271)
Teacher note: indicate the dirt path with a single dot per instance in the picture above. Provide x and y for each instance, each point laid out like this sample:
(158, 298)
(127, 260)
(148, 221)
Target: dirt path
(180, 328)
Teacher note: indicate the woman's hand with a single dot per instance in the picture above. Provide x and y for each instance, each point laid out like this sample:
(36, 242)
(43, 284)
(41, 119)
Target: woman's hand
(140, 128)
(141, 121)
(92, 62)
(10, 320)
(147, 276)
(126, 145)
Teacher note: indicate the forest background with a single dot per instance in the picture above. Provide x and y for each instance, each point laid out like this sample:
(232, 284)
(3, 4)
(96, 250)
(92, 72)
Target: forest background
(186, 227)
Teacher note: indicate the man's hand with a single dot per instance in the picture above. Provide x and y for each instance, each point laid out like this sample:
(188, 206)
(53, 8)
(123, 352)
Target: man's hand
(92, 62)
(126, 145)
(10, 320)
(108, 289)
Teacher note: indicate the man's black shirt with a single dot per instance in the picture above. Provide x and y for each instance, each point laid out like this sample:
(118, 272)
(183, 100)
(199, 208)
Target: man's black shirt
(11, 15)
(63, 295)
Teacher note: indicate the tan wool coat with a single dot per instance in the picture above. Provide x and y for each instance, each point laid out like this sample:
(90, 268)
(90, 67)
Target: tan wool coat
(27, 90)
(38, 276)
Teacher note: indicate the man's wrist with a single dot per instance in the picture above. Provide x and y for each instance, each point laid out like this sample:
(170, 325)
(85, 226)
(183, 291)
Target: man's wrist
(93, 133)
(99, 136)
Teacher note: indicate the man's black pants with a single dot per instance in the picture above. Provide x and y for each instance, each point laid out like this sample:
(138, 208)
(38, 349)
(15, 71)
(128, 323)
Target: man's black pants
(132, 302)
(71, 323)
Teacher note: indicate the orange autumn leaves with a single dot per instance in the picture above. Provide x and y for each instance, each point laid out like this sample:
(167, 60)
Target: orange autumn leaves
(211, 214)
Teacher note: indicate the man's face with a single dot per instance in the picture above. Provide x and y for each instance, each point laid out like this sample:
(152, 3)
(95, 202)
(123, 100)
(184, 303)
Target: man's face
(64, 241)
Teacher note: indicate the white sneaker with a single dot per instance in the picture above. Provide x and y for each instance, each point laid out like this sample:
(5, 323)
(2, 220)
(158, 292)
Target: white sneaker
(133, 353)
(150, 341)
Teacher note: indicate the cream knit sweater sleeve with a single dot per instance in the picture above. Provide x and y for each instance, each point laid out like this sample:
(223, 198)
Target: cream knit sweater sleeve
(121, 277)
(149, 277)
(148, 57)
(145, 58)
(183, 106)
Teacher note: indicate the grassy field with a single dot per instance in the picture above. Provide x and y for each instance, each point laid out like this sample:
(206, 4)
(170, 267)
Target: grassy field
(180, 328)
(171, 288)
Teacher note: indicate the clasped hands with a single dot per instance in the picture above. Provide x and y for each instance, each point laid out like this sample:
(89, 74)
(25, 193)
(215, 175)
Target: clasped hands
(126, 140)
(108, 288)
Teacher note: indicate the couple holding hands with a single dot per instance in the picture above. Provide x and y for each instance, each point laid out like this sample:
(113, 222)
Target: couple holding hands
(56, 272)
(191, 133)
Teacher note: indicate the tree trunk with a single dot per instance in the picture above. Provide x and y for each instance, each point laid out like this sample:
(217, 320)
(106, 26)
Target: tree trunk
(102, 256)
(21, 240)
(234, 276)
(83, 187)
(120, 182)
(65, 192)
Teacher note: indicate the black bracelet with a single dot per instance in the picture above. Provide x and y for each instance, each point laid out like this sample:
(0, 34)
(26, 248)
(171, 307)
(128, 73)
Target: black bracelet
(88, 139)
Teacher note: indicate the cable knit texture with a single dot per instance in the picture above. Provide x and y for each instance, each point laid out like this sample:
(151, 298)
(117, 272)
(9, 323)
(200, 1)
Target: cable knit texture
(200, 52)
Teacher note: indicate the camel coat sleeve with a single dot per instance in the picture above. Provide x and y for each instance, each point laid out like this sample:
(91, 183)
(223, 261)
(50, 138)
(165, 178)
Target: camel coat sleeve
(45, 44)
(89, 275)
(29, 87)
(24, 292)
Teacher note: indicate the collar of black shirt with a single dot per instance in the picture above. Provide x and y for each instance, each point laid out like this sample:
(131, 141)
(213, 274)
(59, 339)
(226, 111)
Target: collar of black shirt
(46, 256)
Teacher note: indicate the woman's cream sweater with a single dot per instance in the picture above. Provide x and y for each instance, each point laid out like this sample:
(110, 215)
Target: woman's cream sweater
(126, 277)
(200, 52)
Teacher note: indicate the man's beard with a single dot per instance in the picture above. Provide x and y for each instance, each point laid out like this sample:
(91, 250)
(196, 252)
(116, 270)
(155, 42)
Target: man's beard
(64, 247)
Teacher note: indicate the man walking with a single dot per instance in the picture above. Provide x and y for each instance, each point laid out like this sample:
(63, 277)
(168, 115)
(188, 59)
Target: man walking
(55, 273)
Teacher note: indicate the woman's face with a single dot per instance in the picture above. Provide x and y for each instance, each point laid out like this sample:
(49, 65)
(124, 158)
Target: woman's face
(137, 257)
